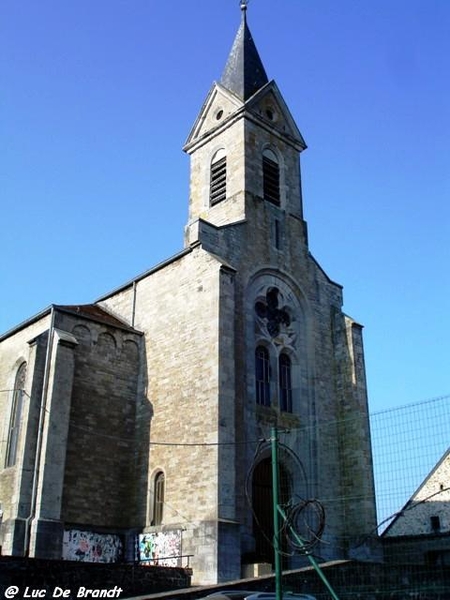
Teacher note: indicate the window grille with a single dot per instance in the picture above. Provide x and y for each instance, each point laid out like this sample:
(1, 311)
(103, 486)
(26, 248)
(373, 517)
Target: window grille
(218, 187)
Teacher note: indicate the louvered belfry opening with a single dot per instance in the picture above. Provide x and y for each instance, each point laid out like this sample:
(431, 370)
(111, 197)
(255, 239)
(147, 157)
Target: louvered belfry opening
(218, 187)
(271, 180)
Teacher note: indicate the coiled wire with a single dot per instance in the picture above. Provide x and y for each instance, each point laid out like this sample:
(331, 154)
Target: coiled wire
(304, 520)
(304, 524)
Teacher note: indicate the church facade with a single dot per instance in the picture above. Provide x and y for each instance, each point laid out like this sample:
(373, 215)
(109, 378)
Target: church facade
(139, 427)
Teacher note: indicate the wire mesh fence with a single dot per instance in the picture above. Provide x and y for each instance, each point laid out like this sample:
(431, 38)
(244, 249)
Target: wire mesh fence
(408, 443)
(408, 548)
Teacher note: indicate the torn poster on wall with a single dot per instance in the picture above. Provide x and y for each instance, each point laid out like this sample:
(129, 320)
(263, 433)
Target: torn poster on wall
(89, 546)
(161, 548)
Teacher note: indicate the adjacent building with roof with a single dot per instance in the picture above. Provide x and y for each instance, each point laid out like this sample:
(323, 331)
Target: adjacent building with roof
(420, 531)
(138, 427)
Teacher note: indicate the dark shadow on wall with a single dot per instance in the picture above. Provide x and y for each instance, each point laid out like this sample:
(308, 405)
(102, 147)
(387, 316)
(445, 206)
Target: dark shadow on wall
(105, 482)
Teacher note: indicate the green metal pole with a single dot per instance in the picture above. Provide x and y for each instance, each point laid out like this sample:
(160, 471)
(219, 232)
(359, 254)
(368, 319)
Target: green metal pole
(311, 559)
(276, 527)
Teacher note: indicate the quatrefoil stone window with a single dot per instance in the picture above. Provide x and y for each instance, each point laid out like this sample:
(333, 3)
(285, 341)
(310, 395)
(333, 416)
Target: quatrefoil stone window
(275, 318)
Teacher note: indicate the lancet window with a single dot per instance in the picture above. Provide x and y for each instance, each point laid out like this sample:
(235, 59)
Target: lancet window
(158, 498)
(16, 415)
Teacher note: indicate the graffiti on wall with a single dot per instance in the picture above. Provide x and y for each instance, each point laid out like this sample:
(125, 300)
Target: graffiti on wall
(161, 548)
(89, 546)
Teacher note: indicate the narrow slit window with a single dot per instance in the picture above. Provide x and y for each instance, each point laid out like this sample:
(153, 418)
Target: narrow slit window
(285, 375)
(158, 499)
(277, 234)
(218, 183)
(262, 376)
(271, 178)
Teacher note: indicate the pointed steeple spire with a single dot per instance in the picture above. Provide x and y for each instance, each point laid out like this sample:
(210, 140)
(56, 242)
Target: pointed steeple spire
(244, 73)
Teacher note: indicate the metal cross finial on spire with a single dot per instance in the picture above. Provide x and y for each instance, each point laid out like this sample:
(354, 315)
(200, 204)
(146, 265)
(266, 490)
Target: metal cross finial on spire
(244, 4)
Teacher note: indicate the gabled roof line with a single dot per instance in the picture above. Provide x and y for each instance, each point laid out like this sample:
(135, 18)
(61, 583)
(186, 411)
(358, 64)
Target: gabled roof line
(96, 313)
(40, 315)
(91, 312)
(410, 500)
(150, 271)
(66, 308)
(316, 262)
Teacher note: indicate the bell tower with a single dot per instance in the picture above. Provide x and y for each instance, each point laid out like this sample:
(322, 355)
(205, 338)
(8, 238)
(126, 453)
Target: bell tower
(244, 145)
(287, 354)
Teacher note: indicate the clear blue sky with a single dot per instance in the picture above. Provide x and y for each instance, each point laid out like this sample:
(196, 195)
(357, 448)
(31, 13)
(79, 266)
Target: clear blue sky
(98, 96)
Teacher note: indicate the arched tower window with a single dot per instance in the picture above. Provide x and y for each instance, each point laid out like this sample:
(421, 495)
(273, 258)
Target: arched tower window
(285, 382)
(218, 181)
(262, 376)
(158, 498)
(16, 414)
(271, 177)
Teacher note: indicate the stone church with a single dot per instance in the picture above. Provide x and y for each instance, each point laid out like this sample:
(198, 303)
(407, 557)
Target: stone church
(138, 427)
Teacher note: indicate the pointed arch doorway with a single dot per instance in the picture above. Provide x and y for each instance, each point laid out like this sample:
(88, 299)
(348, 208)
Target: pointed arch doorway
(262, 495)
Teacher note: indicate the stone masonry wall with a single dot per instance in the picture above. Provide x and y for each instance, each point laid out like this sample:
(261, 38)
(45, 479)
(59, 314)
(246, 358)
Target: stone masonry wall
(15, 481)
(233, 210)
(178, 309)
(99, 479)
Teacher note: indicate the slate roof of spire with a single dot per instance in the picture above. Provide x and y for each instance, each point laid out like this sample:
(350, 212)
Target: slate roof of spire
(244, 73)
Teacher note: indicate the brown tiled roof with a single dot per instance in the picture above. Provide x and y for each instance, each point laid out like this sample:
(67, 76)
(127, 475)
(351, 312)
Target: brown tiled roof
(94, 312)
